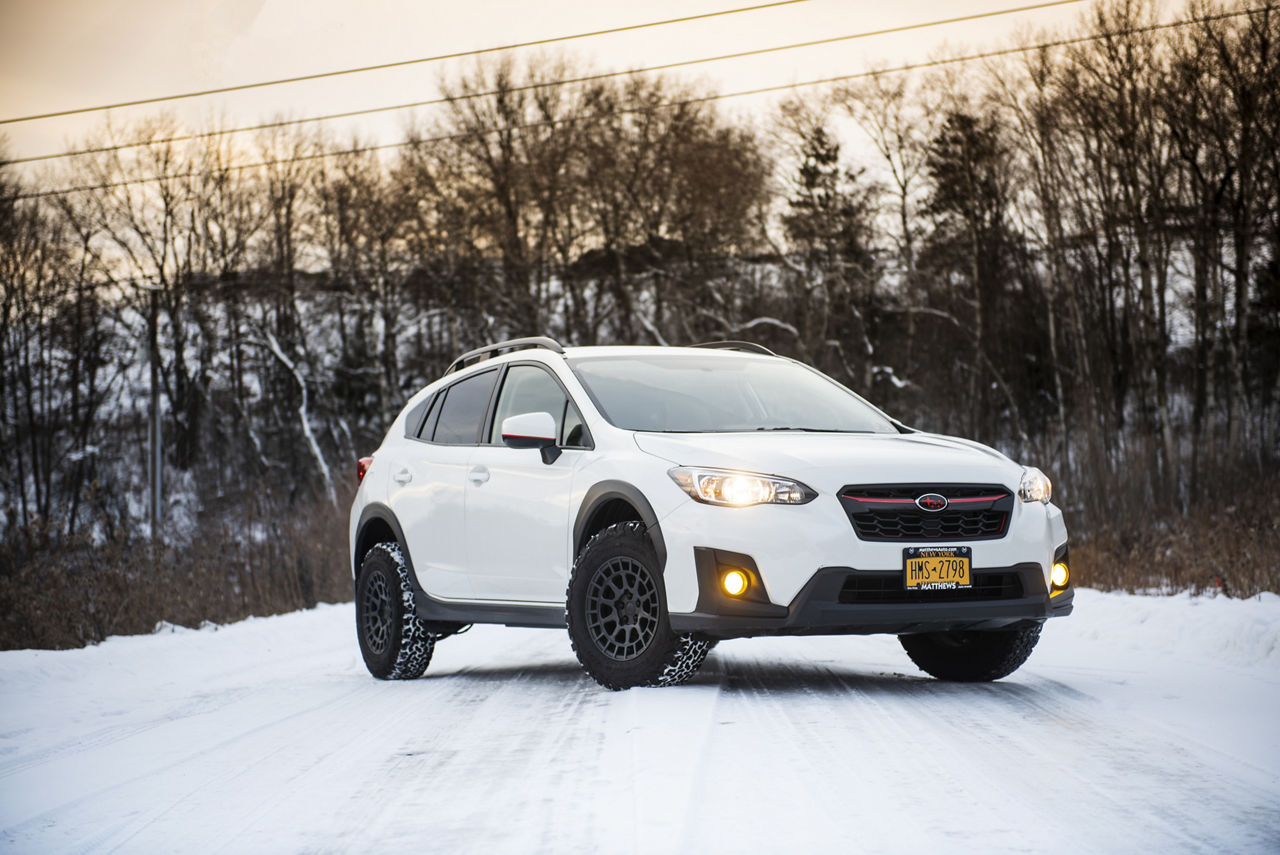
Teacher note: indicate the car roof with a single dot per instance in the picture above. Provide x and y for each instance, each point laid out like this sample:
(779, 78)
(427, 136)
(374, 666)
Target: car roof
(545, 356)
(653, 350)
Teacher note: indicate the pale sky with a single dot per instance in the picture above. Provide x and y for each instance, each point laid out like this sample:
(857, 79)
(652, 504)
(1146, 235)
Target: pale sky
(58, 54)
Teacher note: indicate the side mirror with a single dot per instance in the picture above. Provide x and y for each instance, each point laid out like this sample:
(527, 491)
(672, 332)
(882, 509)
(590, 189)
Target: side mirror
(532, 430)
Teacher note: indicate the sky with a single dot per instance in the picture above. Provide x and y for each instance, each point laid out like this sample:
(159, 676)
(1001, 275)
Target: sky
(62, 54)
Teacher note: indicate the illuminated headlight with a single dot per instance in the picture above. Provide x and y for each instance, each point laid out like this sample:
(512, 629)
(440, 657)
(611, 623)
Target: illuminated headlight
(739, 489)
(1035, 486)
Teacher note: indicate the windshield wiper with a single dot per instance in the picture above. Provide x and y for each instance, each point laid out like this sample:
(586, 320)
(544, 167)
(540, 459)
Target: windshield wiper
(814, 430)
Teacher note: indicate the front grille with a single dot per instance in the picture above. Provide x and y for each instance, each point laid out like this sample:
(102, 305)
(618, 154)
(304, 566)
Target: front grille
(888, 512)
(867, 588)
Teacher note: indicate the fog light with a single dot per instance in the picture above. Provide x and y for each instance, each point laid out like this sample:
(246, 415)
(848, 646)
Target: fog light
(734, 582)
(1059, 576)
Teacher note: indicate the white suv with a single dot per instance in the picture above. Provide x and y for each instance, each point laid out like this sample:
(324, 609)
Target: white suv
(659, 499)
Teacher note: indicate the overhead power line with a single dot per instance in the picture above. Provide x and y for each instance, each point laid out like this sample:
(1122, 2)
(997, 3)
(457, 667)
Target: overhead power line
(283, 123)
(764, 90)
(400, 63)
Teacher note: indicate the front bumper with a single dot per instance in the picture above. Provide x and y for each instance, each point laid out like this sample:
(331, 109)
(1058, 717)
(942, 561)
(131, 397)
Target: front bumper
(825, 606)
(791, 543)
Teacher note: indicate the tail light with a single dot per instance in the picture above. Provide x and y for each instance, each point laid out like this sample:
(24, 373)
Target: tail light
(362, 466)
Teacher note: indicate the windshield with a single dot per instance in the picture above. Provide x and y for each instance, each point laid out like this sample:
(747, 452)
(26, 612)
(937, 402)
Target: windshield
(712, 393)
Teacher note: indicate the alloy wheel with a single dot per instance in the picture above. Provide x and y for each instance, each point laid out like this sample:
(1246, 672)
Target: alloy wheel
(622, 609)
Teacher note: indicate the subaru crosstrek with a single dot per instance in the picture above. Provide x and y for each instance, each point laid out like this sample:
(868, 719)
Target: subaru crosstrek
(656, 500)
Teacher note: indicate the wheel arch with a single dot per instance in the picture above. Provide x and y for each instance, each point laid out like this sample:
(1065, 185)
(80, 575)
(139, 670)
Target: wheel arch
(610, 502)
(378, 525)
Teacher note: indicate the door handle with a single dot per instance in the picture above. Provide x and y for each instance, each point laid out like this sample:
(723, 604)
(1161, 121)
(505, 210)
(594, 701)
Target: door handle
(479, 475)
(404, 476)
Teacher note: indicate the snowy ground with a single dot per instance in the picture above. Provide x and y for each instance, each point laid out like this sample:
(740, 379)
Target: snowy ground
(1140, 724)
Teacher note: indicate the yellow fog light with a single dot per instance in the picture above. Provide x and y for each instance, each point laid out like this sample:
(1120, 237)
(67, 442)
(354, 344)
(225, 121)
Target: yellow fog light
(734, 582)
(1059, 576)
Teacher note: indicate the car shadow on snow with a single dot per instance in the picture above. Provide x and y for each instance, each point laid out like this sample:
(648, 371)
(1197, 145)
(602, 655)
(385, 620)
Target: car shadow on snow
(809, 678)
(777, 677)
(549, 673)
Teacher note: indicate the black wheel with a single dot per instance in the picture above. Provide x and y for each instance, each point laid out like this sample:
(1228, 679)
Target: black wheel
(971, 656)
(394, 642)
(616, 611)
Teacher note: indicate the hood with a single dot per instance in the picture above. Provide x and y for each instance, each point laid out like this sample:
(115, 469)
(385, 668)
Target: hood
(829, 461)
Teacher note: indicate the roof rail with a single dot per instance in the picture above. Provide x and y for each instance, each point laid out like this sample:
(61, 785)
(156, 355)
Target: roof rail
(489, 351)
(748, 346)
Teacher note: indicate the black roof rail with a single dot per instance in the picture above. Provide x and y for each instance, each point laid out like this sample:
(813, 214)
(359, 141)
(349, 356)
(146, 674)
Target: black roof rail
(748, 346)
(489, 351)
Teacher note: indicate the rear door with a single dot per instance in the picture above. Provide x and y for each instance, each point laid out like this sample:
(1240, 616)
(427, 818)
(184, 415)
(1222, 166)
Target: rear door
(427, 493)
(518, 525)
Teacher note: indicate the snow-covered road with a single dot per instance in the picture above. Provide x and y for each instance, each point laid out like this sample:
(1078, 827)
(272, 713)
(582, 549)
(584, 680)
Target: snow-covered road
(1140, 724)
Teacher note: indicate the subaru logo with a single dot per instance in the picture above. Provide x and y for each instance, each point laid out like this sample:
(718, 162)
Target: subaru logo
(931, 502)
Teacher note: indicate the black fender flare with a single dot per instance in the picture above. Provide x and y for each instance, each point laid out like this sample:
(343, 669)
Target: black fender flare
(376, 511)
(606, 491)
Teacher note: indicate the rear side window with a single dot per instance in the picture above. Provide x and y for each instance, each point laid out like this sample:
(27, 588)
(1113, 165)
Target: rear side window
(414, 421)
(463, 409)
(528, 389)
(433, 415)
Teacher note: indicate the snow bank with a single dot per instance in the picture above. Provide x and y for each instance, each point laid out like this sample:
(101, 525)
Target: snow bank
(1240, 633)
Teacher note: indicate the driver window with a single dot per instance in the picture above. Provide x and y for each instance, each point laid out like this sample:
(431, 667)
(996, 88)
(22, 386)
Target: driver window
(527, 389)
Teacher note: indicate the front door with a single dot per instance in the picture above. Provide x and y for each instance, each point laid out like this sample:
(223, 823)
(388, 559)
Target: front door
(518, 525)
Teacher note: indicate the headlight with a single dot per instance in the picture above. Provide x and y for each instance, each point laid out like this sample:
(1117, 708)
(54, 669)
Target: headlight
(1035, 486)
(739, 489)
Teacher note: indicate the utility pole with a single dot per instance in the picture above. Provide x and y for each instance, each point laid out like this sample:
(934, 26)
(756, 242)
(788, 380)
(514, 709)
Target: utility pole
(155, 440)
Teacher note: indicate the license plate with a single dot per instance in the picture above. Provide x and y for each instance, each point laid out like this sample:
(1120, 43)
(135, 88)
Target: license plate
(936, 568)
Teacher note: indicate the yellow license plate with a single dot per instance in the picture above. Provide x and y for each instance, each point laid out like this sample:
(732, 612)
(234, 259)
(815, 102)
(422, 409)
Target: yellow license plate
(934, 568)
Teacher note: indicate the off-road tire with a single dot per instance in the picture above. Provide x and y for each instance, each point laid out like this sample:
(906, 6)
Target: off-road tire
(393, 641)
(971, 656)
(626, 640)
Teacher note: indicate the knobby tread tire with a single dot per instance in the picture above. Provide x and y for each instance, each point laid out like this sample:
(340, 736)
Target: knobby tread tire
(669, 660)
(689, 655)
(974, 656)
(412, 643)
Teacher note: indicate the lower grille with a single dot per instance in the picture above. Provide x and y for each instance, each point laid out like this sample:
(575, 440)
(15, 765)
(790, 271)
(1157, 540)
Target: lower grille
(916, 526)
(868, 588)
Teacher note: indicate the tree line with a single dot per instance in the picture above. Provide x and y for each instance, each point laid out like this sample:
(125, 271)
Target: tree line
(1068, 252)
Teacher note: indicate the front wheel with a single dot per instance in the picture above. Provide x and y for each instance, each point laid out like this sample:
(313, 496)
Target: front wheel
(616, 612)
(971, 656)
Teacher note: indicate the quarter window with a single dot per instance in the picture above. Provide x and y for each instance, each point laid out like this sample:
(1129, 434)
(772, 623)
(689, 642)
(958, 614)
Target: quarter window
(574, 432)
(433, 415)
(414, 424)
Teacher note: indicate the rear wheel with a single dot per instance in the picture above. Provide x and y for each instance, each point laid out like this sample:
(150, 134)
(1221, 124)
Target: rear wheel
(616, 612)
(393, 641)
(971, 656)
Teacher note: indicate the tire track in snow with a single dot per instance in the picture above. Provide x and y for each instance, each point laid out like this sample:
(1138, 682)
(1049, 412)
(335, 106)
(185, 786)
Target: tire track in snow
(506, 747)
(1170, 799)
(488, 729)
(109, 735)
(1050, 732)
(761, 743)
(385, 740)
(162, 776)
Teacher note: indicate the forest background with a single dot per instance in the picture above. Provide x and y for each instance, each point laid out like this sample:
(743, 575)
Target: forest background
(1069, 249)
